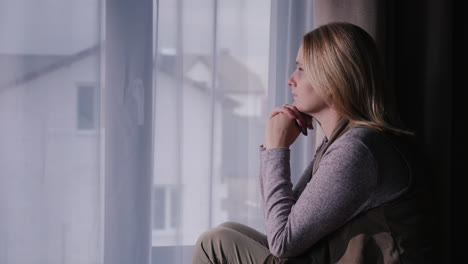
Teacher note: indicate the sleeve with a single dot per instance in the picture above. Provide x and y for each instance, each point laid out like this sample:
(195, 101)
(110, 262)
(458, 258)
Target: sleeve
(340, 189)
(299, 187)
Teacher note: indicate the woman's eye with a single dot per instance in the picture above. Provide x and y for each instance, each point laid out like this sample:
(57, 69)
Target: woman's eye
(300, 69)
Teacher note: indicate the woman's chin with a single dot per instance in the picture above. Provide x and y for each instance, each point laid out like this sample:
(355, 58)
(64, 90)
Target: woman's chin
(297, 106)
(301, 109)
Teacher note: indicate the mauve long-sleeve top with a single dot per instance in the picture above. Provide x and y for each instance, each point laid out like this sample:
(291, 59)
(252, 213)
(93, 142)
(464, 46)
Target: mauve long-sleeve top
(360, 170)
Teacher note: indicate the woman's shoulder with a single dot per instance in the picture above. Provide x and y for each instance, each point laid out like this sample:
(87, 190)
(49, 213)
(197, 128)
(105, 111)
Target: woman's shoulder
(391, 152)
(368, 137)
(356, 144)
(393, 155)
(374, 139)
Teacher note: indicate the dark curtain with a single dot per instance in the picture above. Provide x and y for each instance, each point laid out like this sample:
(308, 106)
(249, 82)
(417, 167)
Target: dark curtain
(424, 55)
(427, 60)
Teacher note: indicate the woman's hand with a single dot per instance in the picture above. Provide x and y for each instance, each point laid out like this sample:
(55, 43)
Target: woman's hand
(284, 125)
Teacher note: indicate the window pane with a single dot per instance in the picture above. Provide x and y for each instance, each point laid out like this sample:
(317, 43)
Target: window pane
(175, 207)
(210, 85)
(50, 176)
(86, 101)
(159, 208)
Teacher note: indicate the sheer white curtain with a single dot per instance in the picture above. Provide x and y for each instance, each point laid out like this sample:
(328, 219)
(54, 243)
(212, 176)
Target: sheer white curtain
(131, 127)
(51, 178)
(211, 96)
(290, 20)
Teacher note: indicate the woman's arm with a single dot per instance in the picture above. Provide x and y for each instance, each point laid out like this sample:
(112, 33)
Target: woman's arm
(341, 188)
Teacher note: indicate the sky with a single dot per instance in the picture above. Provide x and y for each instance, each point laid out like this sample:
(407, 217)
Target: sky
(48, 26)
(63, 27)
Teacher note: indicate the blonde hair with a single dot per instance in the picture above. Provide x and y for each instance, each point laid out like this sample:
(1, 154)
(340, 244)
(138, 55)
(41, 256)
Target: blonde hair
(342, 64)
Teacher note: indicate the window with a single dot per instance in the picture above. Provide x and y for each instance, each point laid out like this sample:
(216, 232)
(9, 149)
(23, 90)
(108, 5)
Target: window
(165, 205)
(86, 113)
(159, 208)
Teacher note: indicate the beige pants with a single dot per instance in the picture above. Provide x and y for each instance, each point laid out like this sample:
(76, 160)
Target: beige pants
(233, 243)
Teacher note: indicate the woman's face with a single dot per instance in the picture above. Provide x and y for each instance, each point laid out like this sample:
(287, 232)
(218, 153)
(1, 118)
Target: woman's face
(305, 97)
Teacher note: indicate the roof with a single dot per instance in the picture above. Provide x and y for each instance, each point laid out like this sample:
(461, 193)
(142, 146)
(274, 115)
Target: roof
(18, 69)
(233, 76)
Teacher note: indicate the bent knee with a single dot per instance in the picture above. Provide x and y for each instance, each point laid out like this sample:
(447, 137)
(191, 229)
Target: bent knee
(230, 225)
(216, 235)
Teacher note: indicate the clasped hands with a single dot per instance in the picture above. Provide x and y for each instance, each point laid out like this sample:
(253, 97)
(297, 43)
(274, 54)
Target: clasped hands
(284, 125)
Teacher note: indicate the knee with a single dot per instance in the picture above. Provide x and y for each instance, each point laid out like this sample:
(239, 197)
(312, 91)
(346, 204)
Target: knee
(211, 236)
(211, 245)
(203, 238)
(230, 225)
(206, 246)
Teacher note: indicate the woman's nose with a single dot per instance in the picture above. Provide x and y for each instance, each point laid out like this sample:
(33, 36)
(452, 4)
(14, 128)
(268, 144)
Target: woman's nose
(291, 82)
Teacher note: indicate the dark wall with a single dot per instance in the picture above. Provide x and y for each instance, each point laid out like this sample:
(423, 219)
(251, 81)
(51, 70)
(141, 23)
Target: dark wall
(459, 131)
(426, 61)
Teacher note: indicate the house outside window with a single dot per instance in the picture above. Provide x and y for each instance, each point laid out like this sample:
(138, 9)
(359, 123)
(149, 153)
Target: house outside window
(165, 206)
(86, 108)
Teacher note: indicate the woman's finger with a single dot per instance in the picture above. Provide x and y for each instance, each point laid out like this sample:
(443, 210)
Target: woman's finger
(298, 114)
(275, 111)
(307, 118)
(284, 110)
(309, 123)
(299, 118)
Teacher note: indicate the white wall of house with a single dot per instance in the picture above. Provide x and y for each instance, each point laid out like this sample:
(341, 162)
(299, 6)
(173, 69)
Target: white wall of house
(55, 165)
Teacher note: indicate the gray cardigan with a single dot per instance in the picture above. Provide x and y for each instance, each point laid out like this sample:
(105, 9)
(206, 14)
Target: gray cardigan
(360, 170)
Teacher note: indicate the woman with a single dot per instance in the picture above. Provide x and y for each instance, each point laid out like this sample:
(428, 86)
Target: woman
(356, 201)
